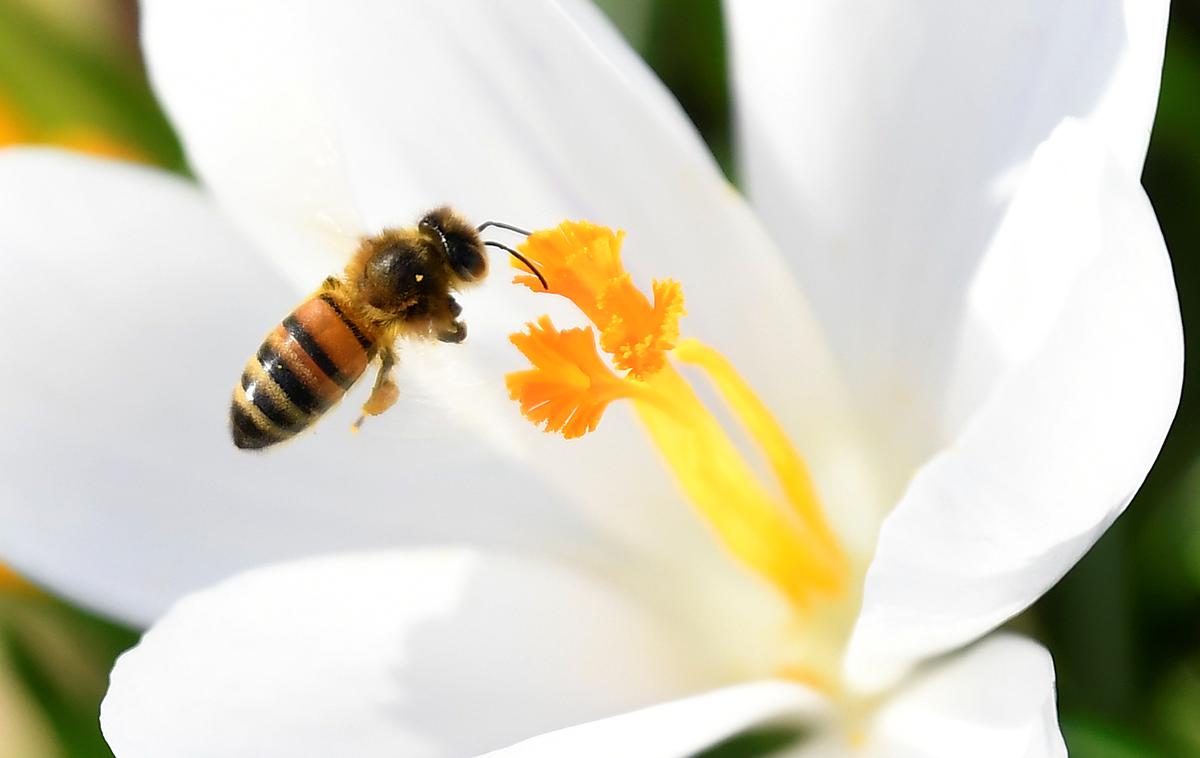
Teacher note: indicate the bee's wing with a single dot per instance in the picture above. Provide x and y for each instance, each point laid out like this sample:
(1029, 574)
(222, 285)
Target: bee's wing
(265, 143)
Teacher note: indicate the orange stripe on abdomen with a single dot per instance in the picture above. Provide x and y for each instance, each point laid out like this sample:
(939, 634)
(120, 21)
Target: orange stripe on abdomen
(304, 366)
(340, 336)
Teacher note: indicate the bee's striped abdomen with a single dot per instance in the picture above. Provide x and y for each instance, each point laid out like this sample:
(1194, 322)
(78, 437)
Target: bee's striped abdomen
(302, 368)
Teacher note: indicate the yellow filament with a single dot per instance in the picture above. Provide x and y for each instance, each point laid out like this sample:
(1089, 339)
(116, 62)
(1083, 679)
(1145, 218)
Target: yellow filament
(761, 426)
(768, 537)
(785, 540)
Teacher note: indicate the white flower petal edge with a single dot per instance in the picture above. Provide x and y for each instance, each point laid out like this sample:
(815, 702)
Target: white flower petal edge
(995, 700)
(679, 728)
(881, 141)
(1076, 303)
(119, 483)
(255, 129)
(529, 111)
(429, 652)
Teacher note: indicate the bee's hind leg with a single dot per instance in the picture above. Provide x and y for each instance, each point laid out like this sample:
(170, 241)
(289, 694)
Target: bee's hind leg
(384, 392)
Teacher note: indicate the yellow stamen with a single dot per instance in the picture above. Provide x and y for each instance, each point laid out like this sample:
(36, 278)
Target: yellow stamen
(754, 525)
(780, 534)
(787, 464)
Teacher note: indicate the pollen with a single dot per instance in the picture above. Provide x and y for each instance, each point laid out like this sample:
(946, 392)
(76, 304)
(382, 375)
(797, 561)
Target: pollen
(569, 386)
(777, 529)
(582, 262)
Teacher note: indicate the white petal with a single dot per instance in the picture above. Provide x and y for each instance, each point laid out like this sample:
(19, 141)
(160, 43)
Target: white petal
(679, 728)
(1075, 310)
(528, 111)
(882, 139)
(442, 652)
(995, 700)
(136, 309)
(243, 98)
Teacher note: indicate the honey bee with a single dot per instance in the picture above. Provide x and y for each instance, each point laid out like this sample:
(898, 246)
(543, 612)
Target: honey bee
(398, 283)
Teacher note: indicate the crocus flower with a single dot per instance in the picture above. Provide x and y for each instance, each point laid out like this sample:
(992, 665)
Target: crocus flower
(948, 322)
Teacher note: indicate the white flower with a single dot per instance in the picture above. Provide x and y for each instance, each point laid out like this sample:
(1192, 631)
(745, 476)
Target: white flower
(954, 296)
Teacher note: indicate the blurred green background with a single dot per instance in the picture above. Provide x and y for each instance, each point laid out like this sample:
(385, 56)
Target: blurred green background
(1124, 625)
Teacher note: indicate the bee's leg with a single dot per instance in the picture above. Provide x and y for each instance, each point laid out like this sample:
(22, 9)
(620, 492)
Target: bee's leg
(384, 392)
(457, 331)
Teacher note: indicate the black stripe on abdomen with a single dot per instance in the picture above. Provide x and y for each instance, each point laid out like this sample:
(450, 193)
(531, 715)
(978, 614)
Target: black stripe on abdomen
(306, 341)
(263, 401)
(247, 434)
(292, 386)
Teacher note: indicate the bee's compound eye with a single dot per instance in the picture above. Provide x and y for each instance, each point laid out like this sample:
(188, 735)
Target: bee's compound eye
(467, 260)
(459, 240)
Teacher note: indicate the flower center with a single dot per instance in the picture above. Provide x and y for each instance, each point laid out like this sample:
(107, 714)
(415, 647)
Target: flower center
(779, 531)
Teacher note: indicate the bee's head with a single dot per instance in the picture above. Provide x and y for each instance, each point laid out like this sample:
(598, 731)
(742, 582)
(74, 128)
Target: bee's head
(460, 242)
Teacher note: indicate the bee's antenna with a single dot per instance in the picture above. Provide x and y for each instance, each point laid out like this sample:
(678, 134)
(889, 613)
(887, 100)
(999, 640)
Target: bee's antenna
(502, 225)
(519, 257)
